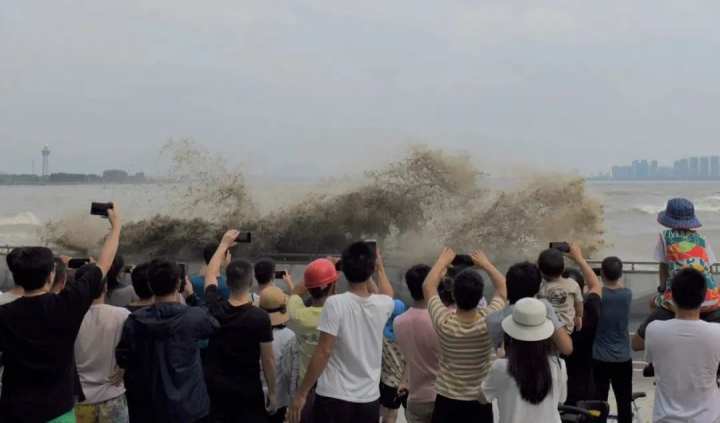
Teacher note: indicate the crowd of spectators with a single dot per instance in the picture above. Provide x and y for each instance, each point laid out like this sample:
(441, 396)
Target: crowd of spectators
(231, 345)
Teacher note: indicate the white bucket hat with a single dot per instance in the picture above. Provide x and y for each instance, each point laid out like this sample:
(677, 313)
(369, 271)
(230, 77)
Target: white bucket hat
(529, 321)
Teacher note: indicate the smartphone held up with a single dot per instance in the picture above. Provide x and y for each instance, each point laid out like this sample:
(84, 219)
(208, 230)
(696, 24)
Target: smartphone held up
(563, 247)
(100, 209)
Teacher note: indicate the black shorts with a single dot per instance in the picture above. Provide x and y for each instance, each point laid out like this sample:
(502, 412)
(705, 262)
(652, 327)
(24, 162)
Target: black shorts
(390, 399)
(331, 410)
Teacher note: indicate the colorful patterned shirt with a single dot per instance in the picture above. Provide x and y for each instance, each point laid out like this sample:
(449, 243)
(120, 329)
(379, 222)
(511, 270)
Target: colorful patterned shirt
(681, 249)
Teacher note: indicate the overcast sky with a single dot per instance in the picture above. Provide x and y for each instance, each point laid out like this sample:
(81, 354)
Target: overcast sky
(312, 87)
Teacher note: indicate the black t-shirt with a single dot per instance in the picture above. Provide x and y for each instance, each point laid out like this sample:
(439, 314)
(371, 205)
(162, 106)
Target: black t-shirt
(579, 364)
(37, 338)
(233, 355)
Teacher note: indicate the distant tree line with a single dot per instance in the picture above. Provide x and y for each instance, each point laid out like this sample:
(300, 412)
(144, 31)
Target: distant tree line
(111, 176)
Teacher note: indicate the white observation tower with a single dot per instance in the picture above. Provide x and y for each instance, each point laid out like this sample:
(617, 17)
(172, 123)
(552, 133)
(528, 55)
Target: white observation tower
(46, 161)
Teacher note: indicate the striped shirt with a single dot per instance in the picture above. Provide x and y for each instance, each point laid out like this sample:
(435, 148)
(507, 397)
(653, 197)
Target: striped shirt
(465, 349)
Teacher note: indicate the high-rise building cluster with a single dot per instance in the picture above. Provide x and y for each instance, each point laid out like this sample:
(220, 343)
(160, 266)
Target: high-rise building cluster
(693, 168)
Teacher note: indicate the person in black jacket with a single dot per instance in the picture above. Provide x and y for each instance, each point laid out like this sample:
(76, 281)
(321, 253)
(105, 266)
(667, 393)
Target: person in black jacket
(38, 331)
(159, 351)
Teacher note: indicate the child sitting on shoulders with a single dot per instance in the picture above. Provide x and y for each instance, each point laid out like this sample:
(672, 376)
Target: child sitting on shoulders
(562, 293)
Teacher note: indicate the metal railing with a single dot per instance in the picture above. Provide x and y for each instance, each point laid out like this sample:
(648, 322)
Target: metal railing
(635, 266)
(644, 267)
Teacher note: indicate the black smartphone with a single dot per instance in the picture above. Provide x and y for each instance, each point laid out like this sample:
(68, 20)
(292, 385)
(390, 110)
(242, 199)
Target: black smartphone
(372, 244)
(244, 238)
(183, 276)
(76, 263)
(338, 266)
(463, 260)
(100, 209)
(129, 268)
(563, 247)
(280, 274)
(597, 271)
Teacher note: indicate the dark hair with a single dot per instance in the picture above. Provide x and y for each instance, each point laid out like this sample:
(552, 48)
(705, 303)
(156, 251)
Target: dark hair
(414, 279)
(523, 281)
(612, 268)
(468, 289)
(576, 275)
(60, 273)
(116, 268)
(31, 266)
(358, 262)
(320, 293)
(445, 291)
(140, 283)
(688, 288)
(239, 275)
(551, 263)
(528, 364)
(163, 276)
(82, 271)
(209, 251)
(264, 271)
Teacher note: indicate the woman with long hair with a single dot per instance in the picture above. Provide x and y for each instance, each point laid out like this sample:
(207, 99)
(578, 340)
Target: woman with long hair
(530, 383)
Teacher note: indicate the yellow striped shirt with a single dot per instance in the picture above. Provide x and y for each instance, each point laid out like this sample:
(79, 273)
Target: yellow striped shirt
(465, 350)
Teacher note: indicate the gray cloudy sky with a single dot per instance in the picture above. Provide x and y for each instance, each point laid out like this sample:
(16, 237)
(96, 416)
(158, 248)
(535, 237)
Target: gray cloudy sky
(308, 87)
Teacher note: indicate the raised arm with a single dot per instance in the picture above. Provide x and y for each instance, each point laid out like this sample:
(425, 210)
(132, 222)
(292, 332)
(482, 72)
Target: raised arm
(110, 247)
(384, 285)
(482, 261)
(213, 268)
(269, 369)
(289, 281)
(439, 269)
(591, 279)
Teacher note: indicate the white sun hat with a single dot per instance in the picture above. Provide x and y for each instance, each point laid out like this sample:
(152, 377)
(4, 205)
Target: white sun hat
(528, 321)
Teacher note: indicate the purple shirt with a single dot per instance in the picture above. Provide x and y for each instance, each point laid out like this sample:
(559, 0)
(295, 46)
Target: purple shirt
(418, 342)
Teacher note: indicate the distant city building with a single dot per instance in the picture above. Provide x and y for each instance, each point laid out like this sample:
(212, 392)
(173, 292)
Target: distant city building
(715, 167)
(693, 168)
(704, 167)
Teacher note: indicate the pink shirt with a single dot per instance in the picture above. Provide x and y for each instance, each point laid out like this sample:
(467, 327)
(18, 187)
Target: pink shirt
(418, 342)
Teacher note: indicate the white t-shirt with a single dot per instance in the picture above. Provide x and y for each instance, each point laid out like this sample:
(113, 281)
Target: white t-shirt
(95, 351)
(512, 408)
(353, 371)
(287, 366)
(686, 355)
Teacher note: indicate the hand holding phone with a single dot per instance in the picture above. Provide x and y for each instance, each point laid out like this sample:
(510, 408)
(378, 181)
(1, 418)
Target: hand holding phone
(100, 209)
(563, 247)
(280, 274)
(76, 263)
(244, 238)
(183, 276)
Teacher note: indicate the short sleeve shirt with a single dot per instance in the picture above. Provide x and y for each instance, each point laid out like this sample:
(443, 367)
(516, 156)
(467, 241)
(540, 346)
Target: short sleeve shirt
(562, 294)
(304, 322)
(465, 350)
(353, 370)
(233, 357)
